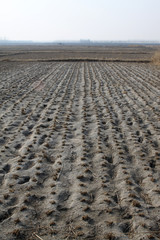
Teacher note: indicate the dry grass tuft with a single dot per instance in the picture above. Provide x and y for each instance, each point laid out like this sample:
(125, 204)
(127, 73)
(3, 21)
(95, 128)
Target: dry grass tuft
(110, 236)
(85, 217)
(23, 208)
(156, 58)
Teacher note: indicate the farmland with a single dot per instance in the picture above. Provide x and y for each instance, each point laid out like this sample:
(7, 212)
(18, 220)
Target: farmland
(79, 150)
(60, 52)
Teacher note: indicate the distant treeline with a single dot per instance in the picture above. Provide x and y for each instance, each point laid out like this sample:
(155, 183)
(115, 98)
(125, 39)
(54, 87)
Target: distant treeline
(81, 42)
(8, 42)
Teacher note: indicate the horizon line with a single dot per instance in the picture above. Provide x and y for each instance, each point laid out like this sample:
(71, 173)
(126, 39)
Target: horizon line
(80, 42)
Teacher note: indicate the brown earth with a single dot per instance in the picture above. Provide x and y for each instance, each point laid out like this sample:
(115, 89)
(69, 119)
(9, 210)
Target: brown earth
(50, 53)
(79, 151)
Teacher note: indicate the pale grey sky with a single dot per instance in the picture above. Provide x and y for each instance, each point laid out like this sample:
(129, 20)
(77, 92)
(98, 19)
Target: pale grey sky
(50, 20)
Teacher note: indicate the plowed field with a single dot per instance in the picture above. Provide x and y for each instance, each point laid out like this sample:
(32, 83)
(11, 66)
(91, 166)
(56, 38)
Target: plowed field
(79, 151)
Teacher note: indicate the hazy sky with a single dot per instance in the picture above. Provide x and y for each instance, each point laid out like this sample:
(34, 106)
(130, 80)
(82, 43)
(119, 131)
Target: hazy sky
(49, 20)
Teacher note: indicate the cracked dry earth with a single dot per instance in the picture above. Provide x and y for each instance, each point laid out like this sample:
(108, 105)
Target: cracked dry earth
(79, 151)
